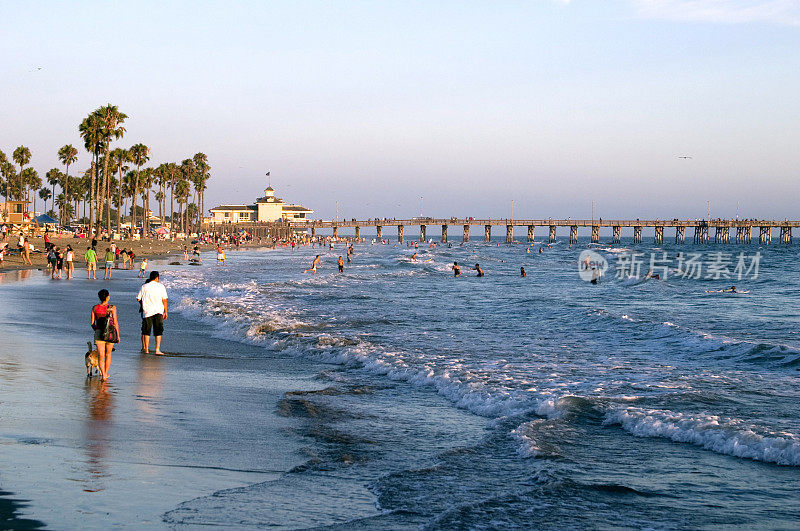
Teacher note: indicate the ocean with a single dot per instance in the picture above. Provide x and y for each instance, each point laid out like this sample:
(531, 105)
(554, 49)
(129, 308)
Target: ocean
(502, 401)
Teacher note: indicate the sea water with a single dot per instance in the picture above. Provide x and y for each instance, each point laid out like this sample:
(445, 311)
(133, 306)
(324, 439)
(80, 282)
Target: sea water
(504, 401)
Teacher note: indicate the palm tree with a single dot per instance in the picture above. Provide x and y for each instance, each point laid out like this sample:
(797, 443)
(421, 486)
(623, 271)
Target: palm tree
(90, 131)
(146, 183)
(54, 177)
(203, 169)
(111, 129)
(4, 164)
(29, 180)
(68, 154)
(22, 156)
(182, 193)
(120, 157)
(140, 154)
(45, 194)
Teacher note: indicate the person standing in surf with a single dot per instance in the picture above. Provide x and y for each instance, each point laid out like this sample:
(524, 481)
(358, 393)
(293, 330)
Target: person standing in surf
(153, 297)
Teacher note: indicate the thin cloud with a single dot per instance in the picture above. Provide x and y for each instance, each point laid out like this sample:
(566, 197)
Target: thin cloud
(778, 12)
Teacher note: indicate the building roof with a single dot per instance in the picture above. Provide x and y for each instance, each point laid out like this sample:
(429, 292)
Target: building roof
(44, 218)
(270, 189)
(297, 208)
(272, 199)
(221, 208)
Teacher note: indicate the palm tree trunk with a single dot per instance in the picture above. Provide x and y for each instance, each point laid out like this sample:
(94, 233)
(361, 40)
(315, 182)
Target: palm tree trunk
(92, 193)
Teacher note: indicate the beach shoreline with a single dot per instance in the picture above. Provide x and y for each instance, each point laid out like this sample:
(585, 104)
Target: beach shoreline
(148, 248)
(89, 445)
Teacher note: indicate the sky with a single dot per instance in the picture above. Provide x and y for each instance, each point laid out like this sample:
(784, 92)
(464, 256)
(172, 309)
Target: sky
(370, 106)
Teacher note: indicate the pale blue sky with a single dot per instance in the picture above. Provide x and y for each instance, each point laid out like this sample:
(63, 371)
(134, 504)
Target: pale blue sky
(470, 104)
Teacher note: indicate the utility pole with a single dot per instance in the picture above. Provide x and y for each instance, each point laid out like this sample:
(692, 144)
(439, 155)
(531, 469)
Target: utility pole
(592, 212)
(512, 210)
(708, 210)
(420, 206)
(337, 210)
(737, 210)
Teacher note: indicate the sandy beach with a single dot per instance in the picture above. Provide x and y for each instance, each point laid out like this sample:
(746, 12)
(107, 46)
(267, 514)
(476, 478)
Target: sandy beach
(161, 431)
(150, 248)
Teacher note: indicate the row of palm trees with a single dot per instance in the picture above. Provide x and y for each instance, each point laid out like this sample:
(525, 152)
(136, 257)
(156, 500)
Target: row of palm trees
(115, 177)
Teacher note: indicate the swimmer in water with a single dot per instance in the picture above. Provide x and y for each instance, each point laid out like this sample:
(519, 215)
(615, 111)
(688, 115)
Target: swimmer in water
(349, 253)
(414, 257)
(540, 250)
(522, 272)
(456, 269)
(732, 290)
(478, 269)
(314, 264)
(340, 263)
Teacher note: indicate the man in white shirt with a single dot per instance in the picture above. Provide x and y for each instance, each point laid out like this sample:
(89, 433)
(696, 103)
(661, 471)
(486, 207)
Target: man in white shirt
(153, 299)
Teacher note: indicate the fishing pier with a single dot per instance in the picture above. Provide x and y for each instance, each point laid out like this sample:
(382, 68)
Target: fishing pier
(701, 230)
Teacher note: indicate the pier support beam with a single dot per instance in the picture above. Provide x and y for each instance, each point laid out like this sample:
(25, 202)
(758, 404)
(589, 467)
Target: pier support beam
(573, 234)
(765, 235)
(422, 238)
(701, 233)
(400, 234)
(744, 234)
(786, 234)
(552, 237)
(444, 233)
(637, 235)
(616, 234)
(379, 231)
(335, 231)
(659, 237)
(509, 233)
(595, 233)
(466, 233)
(531, 232)
(487, 233)
(358, 233)
(680, 234)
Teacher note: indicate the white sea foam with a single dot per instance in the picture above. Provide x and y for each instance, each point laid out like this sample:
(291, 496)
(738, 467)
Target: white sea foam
(718, 434)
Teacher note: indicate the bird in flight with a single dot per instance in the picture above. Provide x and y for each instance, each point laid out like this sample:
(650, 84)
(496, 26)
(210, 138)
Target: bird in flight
(684, 157)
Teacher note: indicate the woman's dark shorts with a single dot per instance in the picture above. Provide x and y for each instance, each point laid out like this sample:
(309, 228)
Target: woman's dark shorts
(154, 322)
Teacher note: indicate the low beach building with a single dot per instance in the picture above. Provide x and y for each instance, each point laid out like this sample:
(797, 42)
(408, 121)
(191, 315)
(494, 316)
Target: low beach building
(267, 209)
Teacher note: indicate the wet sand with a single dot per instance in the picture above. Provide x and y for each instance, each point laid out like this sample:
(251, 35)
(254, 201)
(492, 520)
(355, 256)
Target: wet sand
(161, 431)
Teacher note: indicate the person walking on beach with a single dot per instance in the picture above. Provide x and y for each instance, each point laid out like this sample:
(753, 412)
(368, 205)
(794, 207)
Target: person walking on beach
(91, 263)
(314, 264)
(109, 264)
(220, 255)
(26, 252)
(106, 330)
(59, 262)
(153, 299)
(143, 268)
(70, 261)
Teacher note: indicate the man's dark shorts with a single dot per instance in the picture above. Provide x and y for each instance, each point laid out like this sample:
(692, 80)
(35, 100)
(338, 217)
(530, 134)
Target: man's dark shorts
(154, 322)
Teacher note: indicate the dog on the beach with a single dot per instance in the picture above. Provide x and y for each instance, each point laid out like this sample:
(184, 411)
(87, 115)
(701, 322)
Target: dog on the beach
(92, 360)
